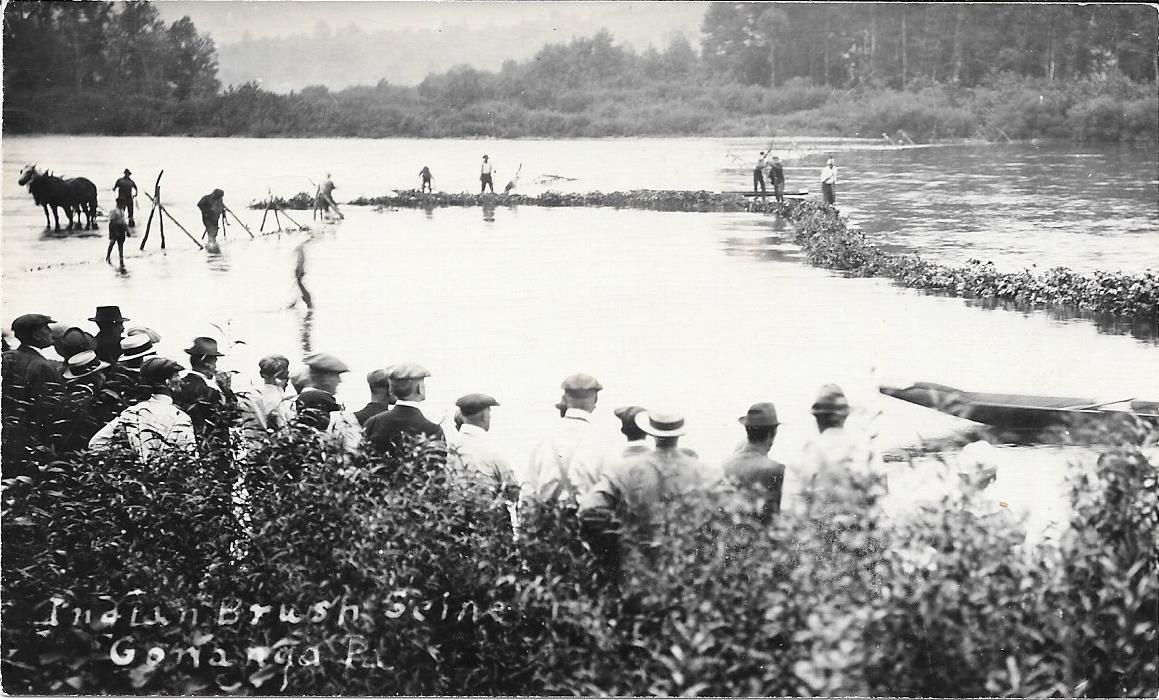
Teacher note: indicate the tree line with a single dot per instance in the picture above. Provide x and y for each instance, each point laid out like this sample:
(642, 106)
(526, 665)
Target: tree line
(934, 70)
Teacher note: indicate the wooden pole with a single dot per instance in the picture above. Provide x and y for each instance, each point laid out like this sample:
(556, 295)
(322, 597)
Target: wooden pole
(279, 221)
(153, 209)
(178, 223)
(265, 213)
(247, 228)
(287, 215)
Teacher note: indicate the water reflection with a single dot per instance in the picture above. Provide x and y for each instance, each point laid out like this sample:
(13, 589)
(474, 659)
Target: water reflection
(306, 330)
(429, 211)
(488, 211)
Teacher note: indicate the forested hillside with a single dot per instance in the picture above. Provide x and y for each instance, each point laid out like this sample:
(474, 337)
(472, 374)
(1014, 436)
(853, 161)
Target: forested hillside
(936, 71)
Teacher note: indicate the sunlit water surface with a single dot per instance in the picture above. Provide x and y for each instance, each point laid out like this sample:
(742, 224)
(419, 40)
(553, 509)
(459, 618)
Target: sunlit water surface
(704, 313)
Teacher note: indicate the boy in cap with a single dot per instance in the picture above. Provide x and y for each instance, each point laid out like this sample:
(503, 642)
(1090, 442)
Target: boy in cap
(156, 424)
(472, 443)
(750, 466)
(390, 430)
(325, 371)
(637, 438)
(380, 397)
(571, 459)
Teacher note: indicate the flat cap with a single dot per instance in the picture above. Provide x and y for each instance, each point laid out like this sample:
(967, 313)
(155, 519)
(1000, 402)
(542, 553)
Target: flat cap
(405, 371)
(627, 414)
(378, 377)
(473, 403)
(29, 322)
(831, 400)
(581, 382)
(325, 362)
(158, 369)
(760, 415)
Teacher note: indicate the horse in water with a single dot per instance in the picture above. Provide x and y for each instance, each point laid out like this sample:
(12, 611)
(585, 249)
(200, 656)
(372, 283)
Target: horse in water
(76, 194)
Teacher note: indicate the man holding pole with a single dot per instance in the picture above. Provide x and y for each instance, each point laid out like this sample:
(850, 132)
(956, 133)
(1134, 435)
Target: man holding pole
(212, 208)
(327, 191)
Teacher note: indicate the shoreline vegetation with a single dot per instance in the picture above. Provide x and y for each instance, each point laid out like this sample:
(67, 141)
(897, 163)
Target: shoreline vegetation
(829, 242)
(341, 575)
(929, 72)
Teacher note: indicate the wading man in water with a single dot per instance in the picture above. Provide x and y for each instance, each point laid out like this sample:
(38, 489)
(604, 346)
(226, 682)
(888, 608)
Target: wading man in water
(326, 190)
(485, 173)
(126, 190)
(212, 208)
(427, 178)
(118, 230)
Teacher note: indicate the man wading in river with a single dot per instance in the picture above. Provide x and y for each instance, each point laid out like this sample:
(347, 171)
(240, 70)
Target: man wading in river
(126, 190)
(212, 208)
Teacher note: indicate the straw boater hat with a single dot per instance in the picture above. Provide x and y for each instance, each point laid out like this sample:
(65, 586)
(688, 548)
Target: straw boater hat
(136, 347)
(83, 364)
(660, 424)
(831, 400)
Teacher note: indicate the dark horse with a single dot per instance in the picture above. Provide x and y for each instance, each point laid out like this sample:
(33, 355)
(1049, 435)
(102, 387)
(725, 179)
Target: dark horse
(76, 194)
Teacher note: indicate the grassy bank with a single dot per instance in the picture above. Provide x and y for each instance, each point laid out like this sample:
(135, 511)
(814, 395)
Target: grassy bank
(1007, 108)
(402, 577)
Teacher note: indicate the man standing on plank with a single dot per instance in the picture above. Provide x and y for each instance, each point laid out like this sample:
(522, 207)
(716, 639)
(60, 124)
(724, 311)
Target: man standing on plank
(777, 175)
(829, 181)
(759, 174)
(485, 173)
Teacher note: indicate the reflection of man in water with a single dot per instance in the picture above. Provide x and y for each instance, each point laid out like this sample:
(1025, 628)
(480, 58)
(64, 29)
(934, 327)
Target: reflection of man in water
(212, 208)
(327, 192)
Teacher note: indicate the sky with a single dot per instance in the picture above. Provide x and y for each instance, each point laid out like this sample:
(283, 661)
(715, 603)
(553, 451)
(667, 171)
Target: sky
(635, 23)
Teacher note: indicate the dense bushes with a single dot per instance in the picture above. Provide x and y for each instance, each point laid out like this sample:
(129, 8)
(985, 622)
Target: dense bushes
(1114, 109)
(833, 600)
(829, 242)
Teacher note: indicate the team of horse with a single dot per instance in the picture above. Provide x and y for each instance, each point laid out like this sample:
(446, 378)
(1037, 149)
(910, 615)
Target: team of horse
(76, 195)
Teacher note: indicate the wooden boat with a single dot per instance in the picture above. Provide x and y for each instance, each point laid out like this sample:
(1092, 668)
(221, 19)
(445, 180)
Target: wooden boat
(1021, 411)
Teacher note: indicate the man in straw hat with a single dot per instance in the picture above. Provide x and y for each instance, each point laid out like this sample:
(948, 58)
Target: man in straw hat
(156, 424)
(571, 459)
(631, 489)
(86, 405)
(390, 430)
(124, 378)
(750, 466)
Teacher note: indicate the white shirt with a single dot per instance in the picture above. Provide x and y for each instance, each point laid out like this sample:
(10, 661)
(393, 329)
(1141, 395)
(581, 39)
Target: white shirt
(152, 426)
(262, 400)
(486, 170)
(829, 174)
(573, 457)
(345, 429)
(475, 449)
(823, 461)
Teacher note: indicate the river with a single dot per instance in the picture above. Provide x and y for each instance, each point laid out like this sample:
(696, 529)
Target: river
(704, 313)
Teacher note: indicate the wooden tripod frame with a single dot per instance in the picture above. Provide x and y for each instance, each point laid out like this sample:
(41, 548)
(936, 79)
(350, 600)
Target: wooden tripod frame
(158, 206)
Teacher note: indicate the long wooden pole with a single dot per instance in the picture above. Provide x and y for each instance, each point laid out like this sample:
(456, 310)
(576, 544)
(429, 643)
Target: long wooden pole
(287, 215)
(247, 228)
(183, 229)
(153, 209)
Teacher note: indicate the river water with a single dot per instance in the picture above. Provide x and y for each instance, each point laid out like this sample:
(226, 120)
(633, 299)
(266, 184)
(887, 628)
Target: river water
(704, 313)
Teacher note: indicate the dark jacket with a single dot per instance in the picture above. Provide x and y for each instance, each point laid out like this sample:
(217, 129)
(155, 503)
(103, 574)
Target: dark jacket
(209, 407)
(31, 394)
(385, 430)
(108, 347)
(777, 174)
(369, 411)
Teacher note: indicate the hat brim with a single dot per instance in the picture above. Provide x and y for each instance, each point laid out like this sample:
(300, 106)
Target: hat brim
(644, 423)
(140, 355)
(122, 319)
(67, 374)
(192, 351)
(744, 420)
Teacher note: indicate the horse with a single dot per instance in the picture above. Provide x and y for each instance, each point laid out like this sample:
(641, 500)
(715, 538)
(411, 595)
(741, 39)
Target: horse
(76, 194)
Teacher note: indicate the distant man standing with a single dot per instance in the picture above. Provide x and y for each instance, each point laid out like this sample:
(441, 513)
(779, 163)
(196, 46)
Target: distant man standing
(212, 208)
(485, 173)
(750, 467)
(828, 461)
(777, 175)
(758, 175)
(126, 190)
(427, 178)
(829, 182)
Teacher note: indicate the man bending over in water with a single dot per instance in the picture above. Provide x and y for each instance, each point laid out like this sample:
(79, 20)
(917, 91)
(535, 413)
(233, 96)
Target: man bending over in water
(327, 191)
